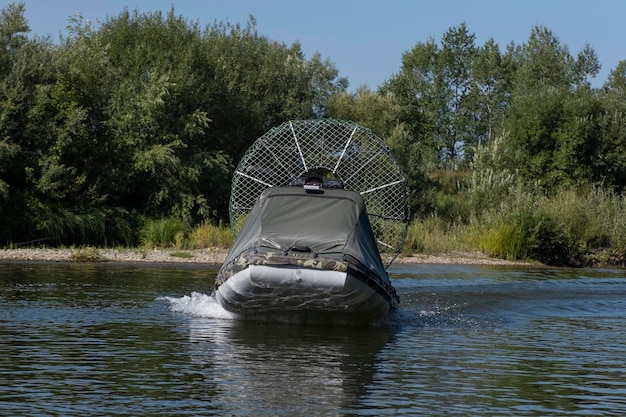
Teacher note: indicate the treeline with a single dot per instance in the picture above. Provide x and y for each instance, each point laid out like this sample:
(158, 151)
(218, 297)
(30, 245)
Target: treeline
(144, 116)
(140, 118)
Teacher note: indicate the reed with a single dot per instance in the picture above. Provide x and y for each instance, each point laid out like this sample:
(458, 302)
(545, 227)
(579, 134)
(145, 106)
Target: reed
(166, 232)
(435, 235)
(559, 229)
(210, 235)
(502, 240)
(96, 226)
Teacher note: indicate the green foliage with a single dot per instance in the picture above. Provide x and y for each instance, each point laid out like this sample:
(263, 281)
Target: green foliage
(556, 135)
(504, 241)
(209, 235)
(85, 254)
(436, 235)
(146, 114)
(166, 232)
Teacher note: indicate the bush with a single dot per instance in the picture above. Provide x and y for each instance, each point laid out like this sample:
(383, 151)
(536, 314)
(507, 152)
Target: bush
(85, 254)
(504, 241)
(209, 235)
(528, 226)
(435, 235)
(549, 244)
(168, 232)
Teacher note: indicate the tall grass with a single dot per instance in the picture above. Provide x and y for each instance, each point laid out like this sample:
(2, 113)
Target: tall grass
(583, 226)
(167, 232)
(209, 235)
(174, 233)
(96, 226)
(504, 241)
(435, 235)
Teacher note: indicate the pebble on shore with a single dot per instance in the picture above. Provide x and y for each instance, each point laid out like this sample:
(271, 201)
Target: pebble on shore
(215, 256)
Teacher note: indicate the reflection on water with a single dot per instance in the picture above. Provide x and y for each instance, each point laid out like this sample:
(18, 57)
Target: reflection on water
(120, 339)
(266, 369)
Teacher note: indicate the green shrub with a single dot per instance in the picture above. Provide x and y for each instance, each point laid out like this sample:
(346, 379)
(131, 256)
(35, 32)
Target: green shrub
(584, 216)
(549, 244)
(85, 254)
(524, 227)
(435, 235)
(504, 241)
(209, 235)
(167, 232)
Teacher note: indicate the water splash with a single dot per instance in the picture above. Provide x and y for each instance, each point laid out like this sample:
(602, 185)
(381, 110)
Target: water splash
(199, 305)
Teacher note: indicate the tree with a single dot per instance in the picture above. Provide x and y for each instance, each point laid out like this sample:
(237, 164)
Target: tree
(616, 82)
(611, 163)
(553, 122)
(491, 92)
(13, 29)
(455, 127)
(144, 115)
(380, 111)
(544, 63)
(578, 150)
(22, 138)
(414, 89)
(377, 111)
(441, 90)
(258, 84)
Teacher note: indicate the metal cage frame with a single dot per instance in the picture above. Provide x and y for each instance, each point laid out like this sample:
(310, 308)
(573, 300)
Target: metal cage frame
(341, 150)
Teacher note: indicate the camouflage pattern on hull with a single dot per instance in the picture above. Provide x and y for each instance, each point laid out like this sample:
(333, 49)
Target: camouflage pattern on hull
(293, 258)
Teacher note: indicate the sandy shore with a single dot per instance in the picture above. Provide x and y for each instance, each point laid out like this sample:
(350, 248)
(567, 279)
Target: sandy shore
(215, 256)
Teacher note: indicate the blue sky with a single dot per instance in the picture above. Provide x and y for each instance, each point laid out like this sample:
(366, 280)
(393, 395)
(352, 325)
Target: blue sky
(365, 39)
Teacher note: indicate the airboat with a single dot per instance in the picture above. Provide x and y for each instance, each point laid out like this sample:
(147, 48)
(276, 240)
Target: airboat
(319, 210)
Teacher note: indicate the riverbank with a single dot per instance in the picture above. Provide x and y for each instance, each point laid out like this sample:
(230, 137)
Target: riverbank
(213, 256)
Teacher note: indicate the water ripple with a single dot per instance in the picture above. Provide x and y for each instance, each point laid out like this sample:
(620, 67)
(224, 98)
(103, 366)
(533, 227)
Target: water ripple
(110, 340)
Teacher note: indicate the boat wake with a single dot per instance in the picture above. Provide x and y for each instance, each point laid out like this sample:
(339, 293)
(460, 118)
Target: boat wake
(199, 305)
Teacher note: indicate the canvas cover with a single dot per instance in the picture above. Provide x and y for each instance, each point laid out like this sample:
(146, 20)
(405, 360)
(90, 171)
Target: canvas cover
(328, 222)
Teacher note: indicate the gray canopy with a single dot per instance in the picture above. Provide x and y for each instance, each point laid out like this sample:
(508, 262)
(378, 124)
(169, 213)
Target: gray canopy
(326, 222)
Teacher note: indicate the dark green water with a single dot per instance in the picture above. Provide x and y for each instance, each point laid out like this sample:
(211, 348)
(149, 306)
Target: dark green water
(110, 339)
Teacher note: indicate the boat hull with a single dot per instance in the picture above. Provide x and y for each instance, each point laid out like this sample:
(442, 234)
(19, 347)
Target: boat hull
(294, 290)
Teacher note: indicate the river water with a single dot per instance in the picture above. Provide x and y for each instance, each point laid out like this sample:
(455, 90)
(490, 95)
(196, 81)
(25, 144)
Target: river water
(114, 339)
